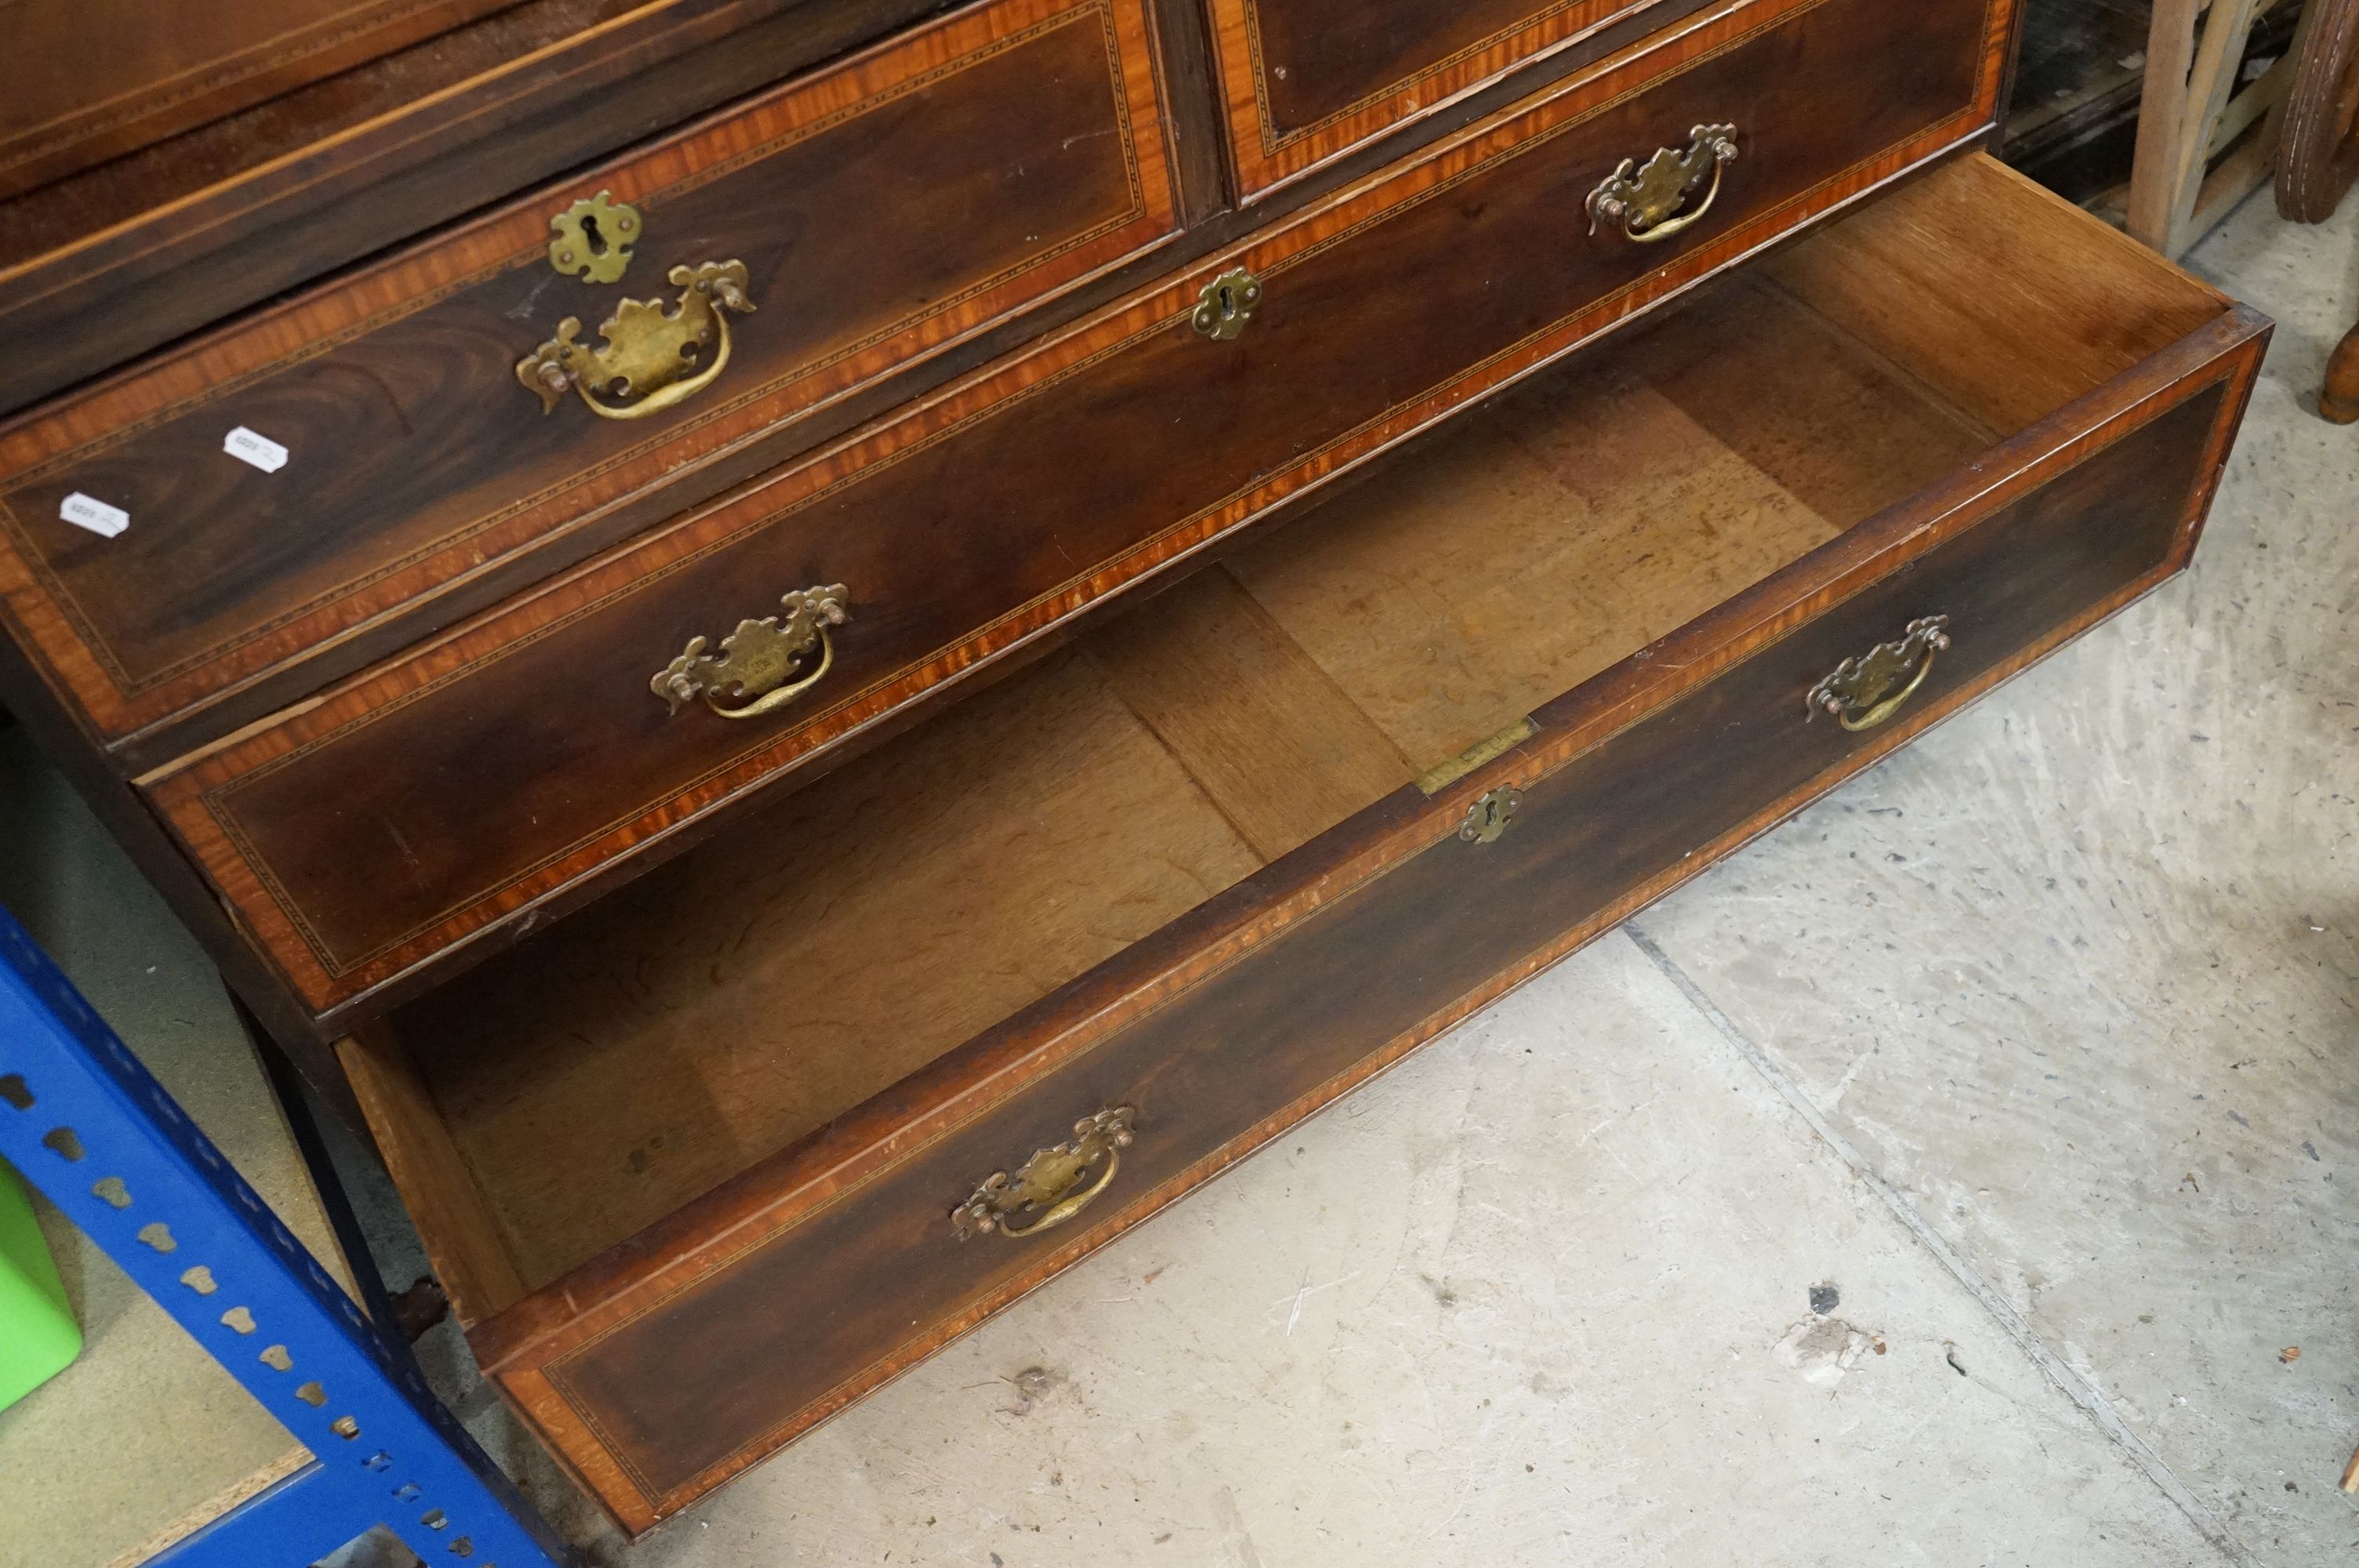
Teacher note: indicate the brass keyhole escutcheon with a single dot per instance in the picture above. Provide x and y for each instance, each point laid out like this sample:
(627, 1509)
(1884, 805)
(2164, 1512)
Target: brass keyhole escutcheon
(1488, 818)
(1227, 304)
(593, 238)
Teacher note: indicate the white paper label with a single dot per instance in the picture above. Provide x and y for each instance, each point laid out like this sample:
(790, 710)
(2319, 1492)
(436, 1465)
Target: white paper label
(97, 517)
(260, 450)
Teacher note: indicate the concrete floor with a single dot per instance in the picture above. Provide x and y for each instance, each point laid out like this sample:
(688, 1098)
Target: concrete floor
(2031, 1056)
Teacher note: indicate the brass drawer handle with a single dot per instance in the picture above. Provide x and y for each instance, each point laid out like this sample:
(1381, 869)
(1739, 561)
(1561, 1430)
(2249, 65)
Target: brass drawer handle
(762, 665)
(649, 362)
(1646, 201)
(1050, 1184)
(1859, 693)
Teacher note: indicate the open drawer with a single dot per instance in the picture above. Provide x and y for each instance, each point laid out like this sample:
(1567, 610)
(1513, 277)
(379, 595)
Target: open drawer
(723, 1153)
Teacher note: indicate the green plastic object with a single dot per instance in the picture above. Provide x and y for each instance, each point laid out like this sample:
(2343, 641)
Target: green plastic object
(39, 1336)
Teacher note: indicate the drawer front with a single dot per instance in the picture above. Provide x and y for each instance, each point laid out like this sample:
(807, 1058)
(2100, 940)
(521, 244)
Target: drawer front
(69, 106)
(102, 267)
(771, 1303)
(1303, 82)
(446, 793)
(881, 209)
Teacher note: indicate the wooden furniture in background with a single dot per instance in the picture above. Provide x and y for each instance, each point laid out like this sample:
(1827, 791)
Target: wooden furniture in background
(2072, 111)
(2338, 400)
(2322, 158)
(948, 884)
(2204, 140)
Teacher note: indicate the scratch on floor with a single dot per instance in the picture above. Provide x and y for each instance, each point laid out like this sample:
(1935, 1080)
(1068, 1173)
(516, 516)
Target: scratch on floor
(1303, 1294)
(1234, 1537)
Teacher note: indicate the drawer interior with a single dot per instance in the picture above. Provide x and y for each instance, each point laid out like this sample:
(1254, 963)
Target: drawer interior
(560, 1098)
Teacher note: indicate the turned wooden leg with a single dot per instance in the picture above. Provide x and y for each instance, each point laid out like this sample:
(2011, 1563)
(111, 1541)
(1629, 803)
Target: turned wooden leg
(2340, 401)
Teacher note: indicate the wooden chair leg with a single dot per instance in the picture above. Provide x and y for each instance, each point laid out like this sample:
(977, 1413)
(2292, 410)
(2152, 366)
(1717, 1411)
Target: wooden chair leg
(2340, 401)
(2320, 160)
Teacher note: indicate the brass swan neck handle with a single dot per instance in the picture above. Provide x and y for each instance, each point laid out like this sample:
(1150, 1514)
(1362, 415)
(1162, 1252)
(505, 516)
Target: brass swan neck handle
(654, 357)
(1862, 693)
(1650, 203)
(1053, 1185)
(764, 665)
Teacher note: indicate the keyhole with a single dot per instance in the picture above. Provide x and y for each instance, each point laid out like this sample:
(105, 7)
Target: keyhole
(1227, 304)
(591, 236)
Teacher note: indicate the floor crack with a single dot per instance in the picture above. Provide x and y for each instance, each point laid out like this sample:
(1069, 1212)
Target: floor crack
(2054, 1367)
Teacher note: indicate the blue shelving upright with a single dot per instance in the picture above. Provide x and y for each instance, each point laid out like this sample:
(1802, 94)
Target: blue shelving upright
(87, 1125)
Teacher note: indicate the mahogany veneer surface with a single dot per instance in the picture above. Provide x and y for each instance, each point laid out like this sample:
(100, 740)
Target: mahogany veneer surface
(1304, 79)
(100, 77)
(114, 260)
(883, 209)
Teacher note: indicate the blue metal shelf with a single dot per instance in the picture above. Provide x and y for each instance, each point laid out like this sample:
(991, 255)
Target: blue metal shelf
(83, 1121)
